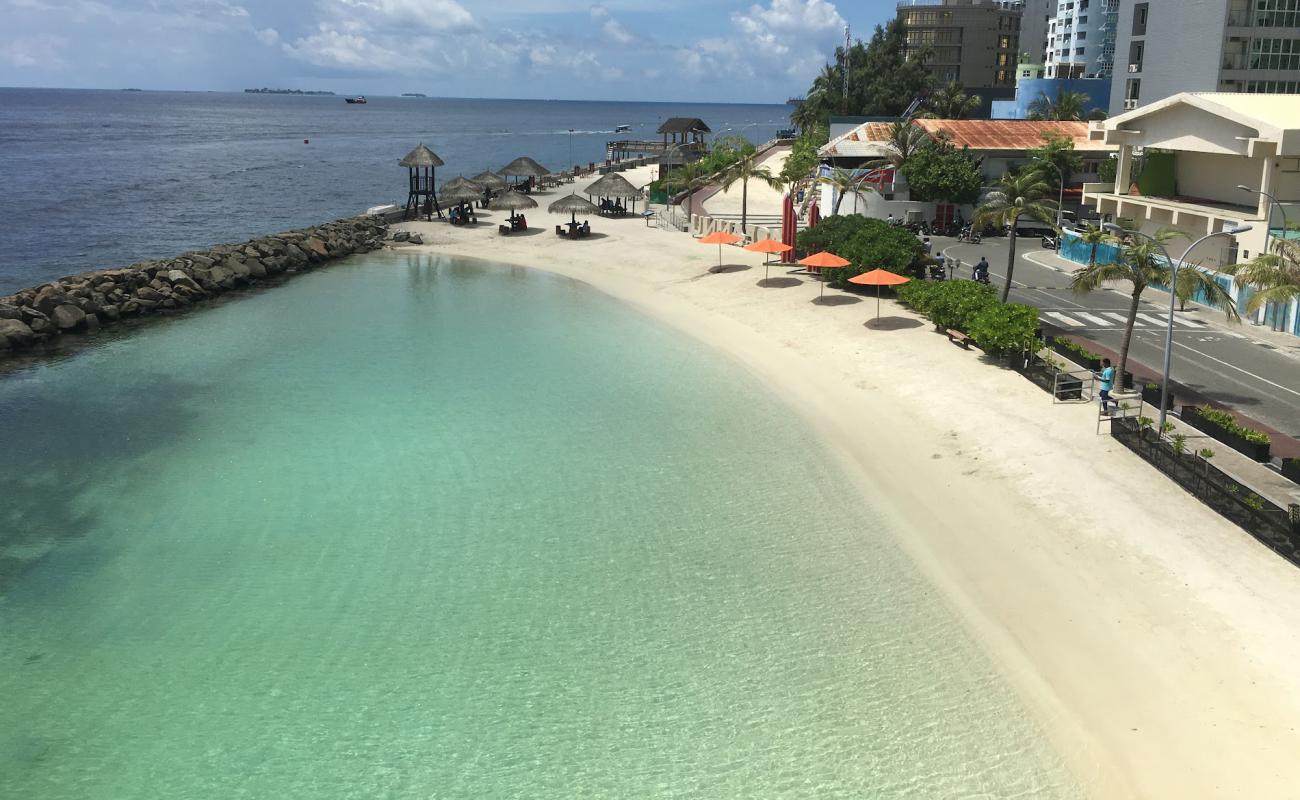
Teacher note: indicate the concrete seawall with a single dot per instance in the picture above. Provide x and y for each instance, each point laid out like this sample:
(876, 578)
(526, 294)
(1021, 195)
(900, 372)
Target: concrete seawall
(85, 302)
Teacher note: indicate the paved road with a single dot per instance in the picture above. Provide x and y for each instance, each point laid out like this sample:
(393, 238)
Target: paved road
(1240, 366)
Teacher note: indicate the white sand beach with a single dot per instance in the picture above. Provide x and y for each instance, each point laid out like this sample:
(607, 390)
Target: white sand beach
(1157, 644)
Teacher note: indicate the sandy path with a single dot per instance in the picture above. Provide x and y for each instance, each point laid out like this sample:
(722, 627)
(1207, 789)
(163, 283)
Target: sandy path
(1158, 645)
(763, 199)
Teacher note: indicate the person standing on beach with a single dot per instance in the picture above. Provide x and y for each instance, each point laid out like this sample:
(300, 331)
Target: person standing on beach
(1107, 383)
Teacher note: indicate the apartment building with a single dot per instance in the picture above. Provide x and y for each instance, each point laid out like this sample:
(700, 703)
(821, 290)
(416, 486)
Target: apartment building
(1169, 46)
(973, 41)
(1081, 39)
(1035, 19)
(1182, 163)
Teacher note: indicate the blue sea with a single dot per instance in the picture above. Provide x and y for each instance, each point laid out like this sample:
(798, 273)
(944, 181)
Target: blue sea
(95, 179)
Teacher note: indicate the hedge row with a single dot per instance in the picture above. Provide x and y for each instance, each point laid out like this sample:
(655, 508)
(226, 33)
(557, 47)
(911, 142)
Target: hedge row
(974, 309)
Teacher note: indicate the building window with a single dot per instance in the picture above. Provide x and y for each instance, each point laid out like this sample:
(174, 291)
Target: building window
(1135, 50)
(1140, 19)
(1133, 89)
(1275, 54)
(1273, 87)
(1004, 42)
(1276, 13)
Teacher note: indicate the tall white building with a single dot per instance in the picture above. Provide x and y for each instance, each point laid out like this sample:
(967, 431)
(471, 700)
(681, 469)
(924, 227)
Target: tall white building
(1081, 39)
(1169, 46)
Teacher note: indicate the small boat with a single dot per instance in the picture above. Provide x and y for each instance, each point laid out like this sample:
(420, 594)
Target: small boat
(622, 128)
(359, 100)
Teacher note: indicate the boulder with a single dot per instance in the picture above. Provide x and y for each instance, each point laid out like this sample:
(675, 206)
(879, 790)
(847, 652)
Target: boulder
(314, 247)
(15, 334)
(402, 236)
(67, 316)
(110, 313)
(149, 293)
(48, 298)
(255, 268)
(179, 278)
(92, 322)
(415, 238)
(42, 326)
(10, 311)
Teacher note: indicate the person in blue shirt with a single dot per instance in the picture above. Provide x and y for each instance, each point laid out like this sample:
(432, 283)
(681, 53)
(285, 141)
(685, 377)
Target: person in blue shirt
(1107, 383)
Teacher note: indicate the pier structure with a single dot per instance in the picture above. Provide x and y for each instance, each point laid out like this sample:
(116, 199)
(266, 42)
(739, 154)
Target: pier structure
(686, 133)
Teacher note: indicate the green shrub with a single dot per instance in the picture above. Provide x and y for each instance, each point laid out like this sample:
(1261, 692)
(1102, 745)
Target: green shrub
(956, 303)
(1206, 453)
(867, 243)
(1180, 442)
(1004, 328)
(948, 304)
(1227, 422)
(1078, 349)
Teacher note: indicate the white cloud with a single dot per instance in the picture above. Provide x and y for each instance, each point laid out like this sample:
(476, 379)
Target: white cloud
(268, 36)
(429, 15)
(612, 27)
(331, 47)
(786, 25)
(34, 51)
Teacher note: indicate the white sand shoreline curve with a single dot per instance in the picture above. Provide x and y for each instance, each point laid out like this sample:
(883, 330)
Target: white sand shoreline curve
(1155, 643)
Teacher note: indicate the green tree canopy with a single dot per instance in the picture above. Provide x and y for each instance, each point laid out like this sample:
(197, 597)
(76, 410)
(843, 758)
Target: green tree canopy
(939, 172)
(1058, 150)
(868, 243)
(951, 102)
(802, 159)
(882, 80)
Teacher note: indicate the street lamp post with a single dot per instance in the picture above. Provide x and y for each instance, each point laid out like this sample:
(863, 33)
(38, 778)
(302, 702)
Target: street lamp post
(1173, 285)
(571, 164)
(1060, 196)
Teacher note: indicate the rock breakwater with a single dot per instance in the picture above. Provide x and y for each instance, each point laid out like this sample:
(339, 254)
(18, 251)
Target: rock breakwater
(84, 302)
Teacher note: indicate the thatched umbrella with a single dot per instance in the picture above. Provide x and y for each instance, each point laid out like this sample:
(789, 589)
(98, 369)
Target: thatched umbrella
(512, 201)
(524, 167)
(573, 204)
(490, 179)
(613, 185)
(464, 193)
(616, 186)
(458, 183)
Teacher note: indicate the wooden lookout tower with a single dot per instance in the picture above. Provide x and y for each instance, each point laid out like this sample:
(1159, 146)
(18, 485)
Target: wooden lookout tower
(422, 164)
(684, 132)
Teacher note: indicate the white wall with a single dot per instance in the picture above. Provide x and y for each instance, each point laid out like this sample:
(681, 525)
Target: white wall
(1215, 177)
(1183, 49)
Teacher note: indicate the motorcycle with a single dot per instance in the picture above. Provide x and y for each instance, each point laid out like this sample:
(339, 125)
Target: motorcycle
(968, 234)
(938, 273)
(981, 277)
(1051, 243)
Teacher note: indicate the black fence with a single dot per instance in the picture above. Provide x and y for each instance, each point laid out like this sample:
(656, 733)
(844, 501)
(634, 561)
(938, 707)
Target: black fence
(1278, 528)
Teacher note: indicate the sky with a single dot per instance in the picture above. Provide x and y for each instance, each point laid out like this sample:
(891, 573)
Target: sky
(669, 50)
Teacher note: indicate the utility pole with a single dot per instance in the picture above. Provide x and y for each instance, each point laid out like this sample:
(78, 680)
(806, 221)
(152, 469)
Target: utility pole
(844, 101)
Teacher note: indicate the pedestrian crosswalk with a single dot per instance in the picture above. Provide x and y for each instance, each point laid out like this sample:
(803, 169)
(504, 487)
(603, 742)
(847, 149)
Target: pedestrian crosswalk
(1073, 318)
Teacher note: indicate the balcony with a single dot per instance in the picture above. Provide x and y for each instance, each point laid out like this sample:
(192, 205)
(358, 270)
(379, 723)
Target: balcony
(1193, 215)
(1132, 68)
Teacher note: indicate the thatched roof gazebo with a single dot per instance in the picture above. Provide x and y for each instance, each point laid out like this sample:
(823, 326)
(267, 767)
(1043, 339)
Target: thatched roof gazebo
(613, 186)
(688, 131)
(421, 164)
(512, 201)
(490, 179)
(459, 183)
(464, 193)
(572, 204)
(524, 167)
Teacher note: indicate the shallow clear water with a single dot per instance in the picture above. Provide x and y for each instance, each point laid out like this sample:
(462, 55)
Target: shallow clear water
(413, 528)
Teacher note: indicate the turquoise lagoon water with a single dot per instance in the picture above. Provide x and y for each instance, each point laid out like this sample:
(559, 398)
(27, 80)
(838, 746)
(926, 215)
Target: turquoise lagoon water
(412, 528)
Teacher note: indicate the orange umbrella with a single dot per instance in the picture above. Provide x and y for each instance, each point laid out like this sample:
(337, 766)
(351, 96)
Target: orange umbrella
(823, 260)
(768, 246)
(878, 278)
(720, 238)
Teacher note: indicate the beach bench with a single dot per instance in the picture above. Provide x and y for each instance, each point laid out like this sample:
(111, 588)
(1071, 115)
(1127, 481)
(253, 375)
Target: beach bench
(957, 337)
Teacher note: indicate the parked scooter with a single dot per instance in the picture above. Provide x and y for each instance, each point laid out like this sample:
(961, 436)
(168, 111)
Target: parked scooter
(1051, 242)
(938, 273)
(969, 234)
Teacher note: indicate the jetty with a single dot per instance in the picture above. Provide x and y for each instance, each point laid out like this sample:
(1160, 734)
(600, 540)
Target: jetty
(686, 133)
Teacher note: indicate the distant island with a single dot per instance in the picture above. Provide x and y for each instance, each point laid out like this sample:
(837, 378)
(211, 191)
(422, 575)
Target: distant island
(264, 90)
(413, 94)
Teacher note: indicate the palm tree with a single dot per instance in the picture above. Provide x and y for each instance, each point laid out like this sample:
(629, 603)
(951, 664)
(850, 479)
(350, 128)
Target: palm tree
(743, 171)
(1193, 281)
(1275, 276)
(904, 140)
(951, 102)
(1093, 237)
(843, 182)
(1068, 106)
(1016, 196)
(1141, 263)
